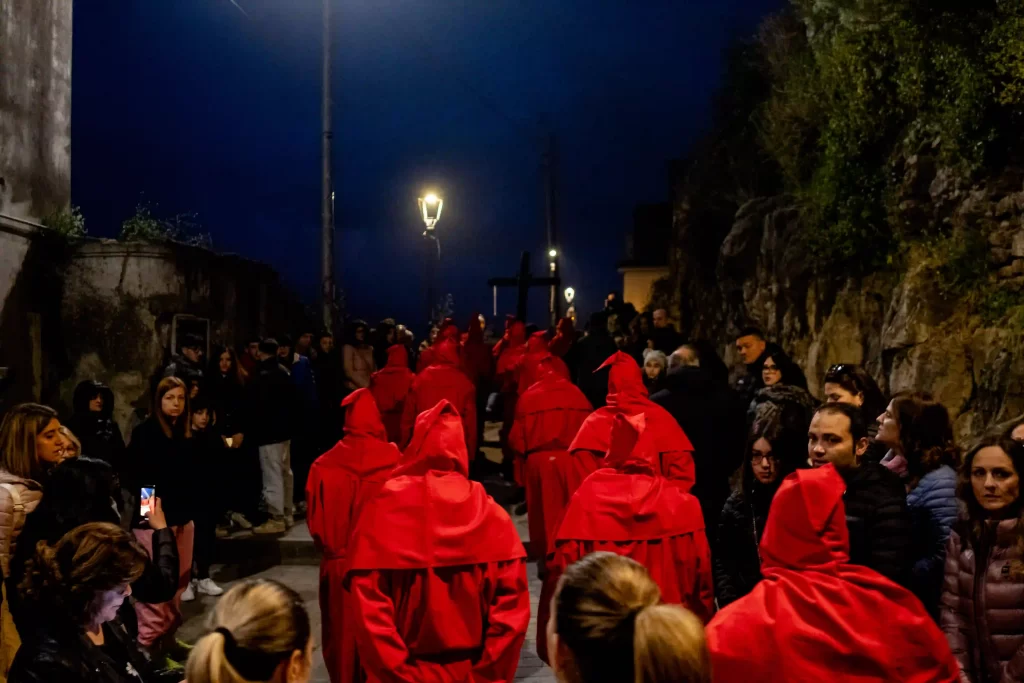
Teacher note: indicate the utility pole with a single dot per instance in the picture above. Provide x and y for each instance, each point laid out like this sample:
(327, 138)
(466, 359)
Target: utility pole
(551, 218)
(327, 195)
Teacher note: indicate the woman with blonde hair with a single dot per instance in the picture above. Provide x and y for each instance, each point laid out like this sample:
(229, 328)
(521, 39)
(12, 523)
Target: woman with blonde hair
(72, 446)
(607, 625)
(30, 445)
(259, 631)
(161, 454)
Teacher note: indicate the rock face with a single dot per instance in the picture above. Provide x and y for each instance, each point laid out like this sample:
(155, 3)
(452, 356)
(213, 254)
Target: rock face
(896, 323)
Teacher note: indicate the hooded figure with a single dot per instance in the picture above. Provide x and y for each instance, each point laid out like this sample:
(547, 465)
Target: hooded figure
(476, 357)
(340, 482)
(548, 415)
(628, 508)
(565, 336)
(390, 386)
(442, 594)
(529, 370)
(815, 616)
(100, 436)
(628, 396)
(442, 381)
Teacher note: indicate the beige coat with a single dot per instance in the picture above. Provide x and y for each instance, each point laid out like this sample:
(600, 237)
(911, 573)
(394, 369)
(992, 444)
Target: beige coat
(18, 498)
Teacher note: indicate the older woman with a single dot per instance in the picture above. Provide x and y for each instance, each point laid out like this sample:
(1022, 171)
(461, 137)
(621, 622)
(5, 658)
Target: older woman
(984, 574)
(655, 367)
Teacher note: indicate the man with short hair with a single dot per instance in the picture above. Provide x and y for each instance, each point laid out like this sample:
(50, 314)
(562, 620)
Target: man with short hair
(249, 358)
(752, 348)
(272, 412)
(187, 364)
(875, 499)
(304, 345)
(664, 335)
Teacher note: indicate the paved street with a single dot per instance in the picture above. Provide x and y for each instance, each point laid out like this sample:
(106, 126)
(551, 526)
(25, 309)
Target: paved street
(299, 570)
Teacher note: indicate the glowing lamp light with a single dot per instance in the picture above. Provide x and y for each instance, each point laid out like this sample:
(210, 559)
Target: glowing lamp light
(553, 253)
(570, 294)
(430, 207)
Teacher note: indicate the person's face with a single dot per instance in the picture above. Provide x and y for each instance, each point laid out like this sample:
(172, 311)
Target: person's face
(70, 449)
(995, 482)
(766, 469)
(304, 341)
(660, 318)
(888, 427)
(224, 363)
(771, 373)
(173, 403)
(96, 404)
(50, 443)
(390, 338)
(193, 353)
(201, 419)
(109, 602)
(652, 368)
(750, 348)
(433, 334)
(193, 390)
(254, 350)
(835, 393)
(1018, 433)
(327, 344)
(360, 334)
(284, 351)
(829, 441)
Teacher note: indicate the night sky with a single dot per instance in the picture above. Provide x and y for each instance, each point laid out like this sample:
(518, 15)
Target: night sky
(194, 107)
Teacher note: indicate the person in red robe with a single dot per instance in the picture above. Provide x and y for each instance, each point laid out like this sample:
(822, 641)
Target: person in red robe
(390, 386)
(437, 572)
(477, 361)
(506, 377)
(815, 616)
(444, 380)
(628, 508)
(548, 415)
(506, 336)
(340, 481)
(529, 365)
(565, 337)
(627, 396)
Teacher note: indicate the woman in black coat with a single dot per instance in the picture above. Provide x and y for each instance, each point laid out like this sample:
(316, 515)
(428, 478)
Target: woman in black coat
(94, 425)
(775, 449)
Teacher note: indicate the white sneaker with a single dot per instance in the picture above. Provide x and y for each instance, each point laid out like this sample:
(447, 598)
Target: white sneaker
(189, 595)
(239, 519)
(208, 587)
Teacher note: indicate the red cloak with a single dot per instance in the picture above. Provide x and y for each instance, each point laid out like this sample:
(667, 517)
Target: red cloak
(340, 481)
(548, 415)
(390, 386)
(627, 396)
(426, 358)
(477, 361)
(816, 617)
(529, 369)
(565, 336)
(628, 508)
(506, 375)
(442, 381)
(436, 570)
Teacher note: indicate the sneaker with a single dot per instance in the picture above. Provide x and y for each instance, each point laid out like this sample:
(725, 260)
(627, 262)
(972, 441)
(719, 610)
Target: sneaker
(208, 587)
(289, 521)
(239, 519)
(271, 526)
(189, 595)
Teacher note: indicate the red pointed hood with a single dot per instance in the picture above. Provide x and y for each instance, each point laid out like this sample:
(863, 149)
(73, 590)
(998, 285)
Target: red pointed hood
(433, 515)
(449, 330)
(398, 357)
(563, 339)
(537, 343)
(625, 379)
(516, 334)
(428, 357)
(807, 525)
(362, 417)
(445, 352)
(438, 444)
(815, 616)
(475, 333)
(628, 499)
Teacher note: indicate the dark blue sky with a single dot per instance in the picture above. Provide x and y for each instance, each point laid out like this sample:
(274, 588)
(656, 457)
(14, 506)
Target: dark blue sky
(197, 108)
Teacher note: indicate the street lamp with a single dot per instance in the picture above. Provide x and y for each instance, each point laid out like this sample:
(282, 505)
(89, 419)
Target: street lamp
(430, 209)
(570, 294)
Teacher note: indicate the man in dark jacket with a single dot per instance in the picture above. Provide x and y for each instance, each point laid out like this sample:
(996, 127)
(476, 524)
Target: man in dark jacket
(272, 412)
(94, 425)
(708, 413)
(330, 390)
(875, 500)
(588, 355)
(187, 364)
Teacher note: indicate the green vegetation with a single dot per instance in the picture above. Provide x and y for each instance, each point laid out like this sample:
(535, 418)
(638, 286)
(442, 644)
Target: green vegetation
(182, 228)
(858, 86)
(67, 222)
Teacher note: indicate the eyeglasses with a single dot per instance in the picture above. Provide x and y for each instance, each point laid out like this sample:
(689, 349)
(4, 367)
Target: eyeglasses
(757, 459)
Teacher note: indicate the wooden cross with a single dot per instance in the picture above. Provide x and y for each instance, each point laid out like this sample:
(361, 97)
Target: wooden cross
(522, 282)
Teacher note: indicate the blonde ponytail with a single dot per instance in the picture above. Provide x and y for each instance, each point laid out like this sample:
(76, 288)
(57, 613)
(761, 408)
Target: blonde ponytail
(254, 628)
(669, 645)
(607, 614)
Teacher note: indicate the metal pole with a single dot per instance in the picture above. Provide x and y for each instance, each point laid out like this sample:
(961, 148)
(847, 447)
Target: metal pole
(327, 194)
(431, 256)
(551, 216)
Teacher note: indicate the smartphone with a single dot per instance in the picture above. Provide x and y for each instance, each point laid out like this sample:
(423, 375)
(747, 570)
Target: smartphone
(146, 501)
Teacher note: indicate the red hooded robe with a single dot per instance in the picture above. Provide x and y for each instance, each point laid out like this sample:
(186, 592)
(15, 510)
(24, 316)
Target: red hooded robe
(529, 366)
(564, 337)
(390, 386)
(627, 396)
(477, 361)
(443, 380)
(436, 570)
(505, 375)
(628, 508)
(548, 415)
(340, 482)
(816, 617)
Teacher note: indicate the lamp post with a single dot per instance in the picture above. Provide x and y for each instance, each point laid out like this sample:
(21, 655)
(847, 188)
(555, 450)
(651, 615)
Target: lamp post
(570, 295)
(430, 210)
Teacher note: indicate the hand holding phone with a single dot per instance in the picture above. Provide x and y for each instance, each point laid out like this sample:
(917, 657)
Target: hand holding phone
(157, 520)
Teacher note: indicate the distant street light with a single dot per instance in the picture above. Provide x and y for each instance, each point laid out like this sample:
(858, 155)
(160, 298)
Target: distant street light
(570, 294)
(430, 209)
(553, 253)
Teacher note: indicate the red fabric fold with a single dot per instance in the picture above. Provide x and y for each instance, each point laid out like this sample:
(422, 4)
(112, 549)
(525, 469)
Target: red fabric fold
(815, 616)
(390, 387)
(564, 337)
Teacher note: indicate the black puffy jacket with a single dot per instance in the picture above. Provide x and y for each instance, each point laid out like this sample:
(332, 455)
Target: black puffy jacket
(881, 532)
(736, 562)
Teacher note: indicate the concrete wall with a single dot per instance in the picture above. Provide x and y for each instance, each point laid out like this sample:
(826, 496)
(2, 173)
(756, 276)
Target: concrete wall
(35, 107)
(637, 283)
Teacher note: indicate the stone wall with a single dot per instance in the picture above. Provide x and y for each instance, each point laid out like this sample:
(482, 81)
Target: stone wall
(35, 107)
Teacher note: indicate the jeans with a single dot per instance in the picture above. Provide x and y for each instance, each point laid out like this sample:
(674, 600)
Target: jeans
(278, 483)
